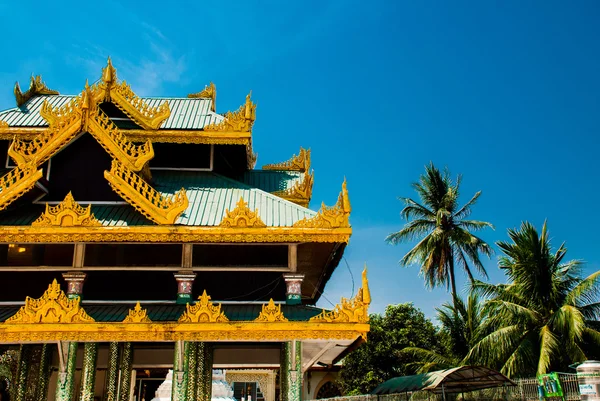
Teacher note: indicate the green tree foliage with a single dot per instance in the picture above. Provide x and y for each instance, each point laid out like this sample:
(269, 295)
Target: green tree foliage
(539, 321)
(443, 230)
(380, 359)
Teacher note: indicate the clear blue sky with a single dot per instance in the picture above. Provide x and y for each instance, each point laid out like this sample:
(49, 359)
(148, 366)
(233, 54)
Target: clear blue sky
(505, 92)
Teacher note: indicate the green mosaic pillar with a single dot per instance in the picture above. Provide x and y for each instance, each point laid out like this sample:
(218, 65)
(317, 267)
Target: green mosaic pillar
(44, 373)
(126, 367)
(179, 383)
(65, 387)
(192, 370)
(23, 364)
(291, 371)
(204, 372)
(88, 375)
(112, 372)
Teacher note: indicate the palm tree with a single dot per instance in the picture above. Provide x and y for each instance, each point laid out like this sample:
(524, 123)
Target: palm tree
(444, 232)
(540, 319)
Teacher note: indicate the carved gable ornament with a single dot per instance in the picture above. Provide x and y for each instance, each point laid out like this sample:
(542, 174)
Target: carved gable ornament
(68, 213)
(52, 307)
(271, 313)
(242, 217)
(337, 216)
(204, 311)
(137, 315)
(296, 163)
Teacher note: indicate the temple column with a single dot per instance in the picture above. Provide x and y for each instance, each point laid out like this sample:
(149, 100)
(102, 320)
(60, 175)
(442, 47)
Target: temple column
(192, 370)
(291, 371)
(112, 372)
(23, 364)
(179, 383)
(204, 372)
(44, 372)
(185, 280)
(88, 375)
(65, 387)
(126, 368)
(293, 284)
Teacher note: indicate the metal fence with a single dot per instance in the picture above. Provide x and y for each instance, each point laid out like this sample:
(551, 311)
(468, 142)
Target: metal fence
(525, 390)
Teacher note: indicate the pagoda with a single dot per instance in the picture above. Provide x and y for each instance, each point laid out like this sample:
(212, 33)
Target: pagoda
(138, 239)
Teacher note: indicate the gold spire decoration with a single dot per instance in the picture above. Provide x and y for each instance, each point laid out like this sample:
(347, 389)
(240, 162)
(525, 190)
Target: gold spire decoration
(242, 217)
(36, 87)
(337, 216)
(209, 92)
(271, 313)
(203, 311)
(237, 121)
(68, 213)
(137, 315)
(296, 163)
(354, 310)
(53, 307)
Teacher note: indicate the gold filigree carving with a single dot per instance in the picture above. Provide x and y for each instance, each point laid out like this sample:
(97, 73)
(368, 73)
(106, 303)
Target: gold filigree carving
(144, 198)
(209, 92)
(337, 216)
(242, 217)
(240, 120)
(68, 213)
(354, 310)
(36, 87)
(3, 124)
(301, 192)
(296, 163)
(17, 182)
(271, 313)
(137, 315)
(52, 307)
(203, 311)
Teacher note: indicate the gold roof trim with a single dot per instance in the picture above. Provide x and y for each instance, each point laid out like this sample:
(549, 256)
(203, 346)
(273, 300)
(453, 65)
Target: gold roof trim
(301, 192)
(68, 213)
(241, 216)
(209, 92)
(17, 182)
(271, 313)
(53, 307)
(203, 311)
(36, 87)
(337, 216)
(354, 310)
(301, 163)
(3, 124)
(240, 120)
(137, 315)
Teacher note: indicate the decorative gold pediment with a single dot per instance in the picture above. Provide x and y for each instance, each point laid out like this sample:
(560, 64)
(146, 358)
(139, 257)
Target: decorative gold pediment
(36, 87)
(203, 311)
(337, 216)
(301, 192)
(68, 213)
(271, 313)
(237, 121)
(242, 217)
(296, 163)
(209, 92)
(137, 315)
(354, 310)
(53, 307)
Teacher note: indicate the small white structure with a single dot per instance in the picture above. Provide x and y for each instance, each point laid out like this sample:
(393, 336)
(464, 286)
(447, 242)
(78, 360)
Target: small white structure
(221, 390)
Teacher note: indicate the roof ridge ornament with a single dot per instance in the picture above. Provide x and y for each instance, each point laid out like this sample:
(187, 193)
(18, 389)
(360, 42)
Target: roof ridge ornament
(355, 310)
(203, 311)
(240, 120)
(337, 216)
(271, 313)
(53, 307)
(241, 217)
(301, 192)
(137, 315)
(68, 213)
(209, 92)
(17, 182)
(36, 87)
(301, 162)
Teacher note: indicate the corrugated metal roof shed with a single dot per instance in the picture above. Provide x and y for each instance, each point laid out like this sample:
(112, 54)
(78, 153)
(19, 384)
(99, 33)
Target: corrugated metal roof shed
(192, 114)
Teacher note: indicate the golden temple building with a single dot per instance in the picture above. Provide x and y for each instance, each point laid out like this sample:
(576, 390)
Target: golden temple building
(141, 251)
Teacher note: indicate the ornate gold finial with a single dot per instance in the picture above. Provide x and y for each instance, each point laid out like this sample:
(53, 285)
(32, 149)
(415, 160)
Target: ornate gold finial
(354, 310)
(209, 92)
(52, 307)
(242, 217)
(36, 87)
(250, 108)
(337, 216)
(237, 121)
(137, 315)
(203, 311)
(296, 163)
(68, 213)
(271, 313)
(109, 73)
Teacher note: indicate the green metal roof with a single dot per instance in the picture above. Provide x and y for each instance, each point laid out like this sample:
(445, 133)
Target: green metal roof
(169, 312)
(271, 181)
(192, 114)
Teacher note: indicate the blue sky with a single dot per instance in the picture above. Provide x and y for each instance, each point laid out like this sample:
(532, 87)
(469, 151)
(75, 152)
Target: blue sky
(505, 93)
